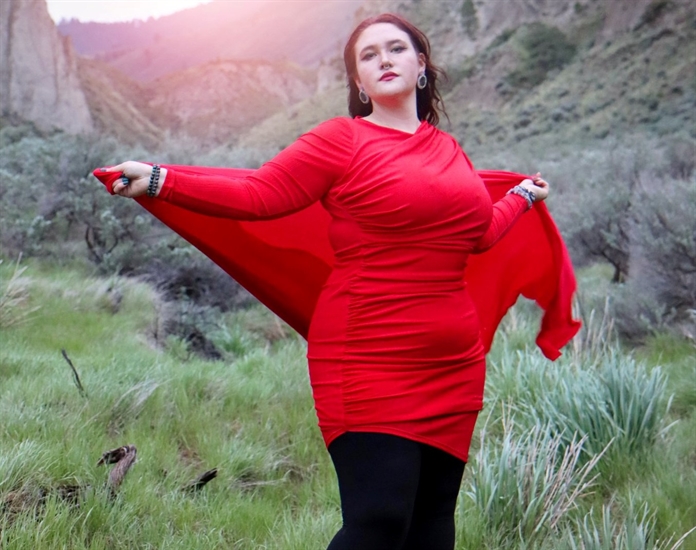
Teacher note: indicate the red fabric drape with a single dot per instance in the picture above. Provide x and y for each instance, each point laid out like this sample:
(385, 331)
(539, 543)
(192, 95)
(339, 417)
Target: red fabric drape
(284, 262)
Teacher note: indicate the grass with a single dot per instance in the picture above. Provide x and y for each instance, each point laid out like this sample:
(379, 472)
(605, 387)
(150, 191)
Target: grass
(527, 485)
(251, 417)
(13, 295)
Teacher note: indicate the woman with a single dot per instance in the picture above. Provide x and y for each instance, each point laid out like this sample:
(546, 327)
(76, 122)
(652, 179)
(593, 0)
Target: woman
(396, 362)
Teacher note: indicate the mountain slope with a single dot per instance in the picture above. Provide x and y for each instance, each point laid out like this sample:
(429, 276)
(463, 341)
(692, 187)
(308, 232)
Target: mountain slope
(633, 68)
(217, 101)
(304, 32)
(212, 103)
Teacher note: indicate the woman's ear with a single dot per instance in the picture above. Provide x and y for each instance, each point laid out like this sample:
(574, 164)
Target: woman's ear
(421, 61)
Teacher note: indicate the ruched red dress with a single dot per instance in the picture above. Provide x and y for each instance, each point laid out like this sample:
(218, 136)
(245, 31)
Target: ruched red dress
(394, 343)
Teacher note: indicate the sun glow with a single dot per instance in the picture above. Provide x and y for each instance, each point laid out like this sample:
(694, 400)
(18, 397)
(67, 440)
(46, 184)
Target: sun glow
(108, 11)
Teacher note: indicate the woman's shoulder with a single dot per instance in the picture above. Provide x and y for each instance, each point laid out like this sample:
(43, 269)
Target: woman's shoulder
(445, 136)
(331, 138)
(337, 126)
(333, 134)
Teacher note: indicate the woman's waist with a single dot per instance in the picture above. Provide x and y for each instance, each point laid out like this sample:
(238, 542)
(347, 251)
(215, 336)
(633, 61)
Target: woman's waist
(432, 320)
(412, 285)
(402, 276)
(443, 259)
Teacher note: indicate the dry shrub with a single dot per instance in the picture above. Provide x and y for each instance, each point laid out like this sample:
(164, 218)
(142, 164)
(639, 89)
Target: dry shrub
(633, 205)
(661, 289)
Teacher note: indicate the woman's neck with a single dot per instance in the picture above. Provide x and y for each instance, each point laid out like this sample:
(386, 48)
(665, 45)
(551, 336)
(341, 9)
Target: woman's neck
(403, 117)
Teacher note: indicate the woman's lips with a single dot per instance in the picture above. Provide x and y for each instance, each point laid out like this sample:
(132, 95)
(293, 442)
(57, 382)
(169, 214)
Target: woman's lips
(388, 76)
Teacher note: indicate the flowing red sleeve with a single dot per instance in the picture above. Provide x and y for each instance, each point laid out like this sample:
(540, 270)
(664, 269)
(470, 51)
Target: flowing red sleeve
(284, 261)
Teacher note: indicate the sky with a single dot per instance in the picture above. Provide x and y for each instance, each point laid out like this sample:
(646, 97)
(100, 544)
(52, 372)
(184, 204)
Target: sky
(108, 11)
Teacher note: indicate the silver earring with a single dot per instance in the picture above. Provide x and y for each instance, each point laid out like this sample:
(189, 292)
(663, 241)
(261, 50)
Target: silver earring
(422, 81)
(364, 98)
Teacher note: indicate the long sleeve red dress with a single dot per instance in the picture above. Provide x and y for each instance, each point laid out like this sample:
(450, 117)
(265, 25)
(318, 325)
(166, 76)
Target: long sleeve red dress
(394, 343)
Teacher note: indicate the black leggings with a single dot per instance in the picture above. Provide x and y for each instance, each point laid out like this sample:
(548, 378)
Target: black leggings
(396, 494)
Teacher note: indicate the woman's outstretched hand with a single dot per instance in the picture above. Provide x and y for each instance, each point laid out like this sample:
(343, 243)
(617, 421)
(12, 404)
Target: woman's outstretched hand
(136, 178)
(538, 186)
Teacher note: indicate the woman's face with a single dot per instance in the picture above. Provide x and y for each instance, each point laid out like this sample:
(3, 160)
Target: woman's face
(387, 63)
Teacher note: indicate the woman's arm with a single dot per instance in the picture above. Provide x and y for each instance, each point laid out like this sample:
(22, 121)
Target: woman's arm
(298, 176)
(508, 210)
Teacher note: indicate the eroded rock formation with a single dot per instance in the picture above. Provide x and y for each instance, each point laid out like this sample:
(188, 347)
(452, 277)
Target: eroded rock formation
(38, 70)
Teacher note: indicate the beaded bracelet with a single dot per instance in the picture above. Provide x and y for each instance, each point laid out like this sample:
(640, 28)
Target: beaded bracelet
(526, 194)
(154, 181)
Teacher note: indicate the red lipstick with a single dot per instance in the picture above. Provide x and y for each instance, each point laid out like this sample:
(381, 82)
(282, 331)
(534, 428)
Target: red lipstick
(388, 76)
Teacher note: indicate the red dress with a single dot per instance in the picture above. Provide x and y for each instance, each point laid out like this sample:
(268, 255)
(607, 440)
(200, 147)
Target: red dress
(394, 344)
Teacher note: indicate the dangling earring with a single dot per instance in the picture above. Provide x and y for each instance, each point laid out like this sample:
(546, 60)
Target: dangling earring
(364, 98)
(422, 81)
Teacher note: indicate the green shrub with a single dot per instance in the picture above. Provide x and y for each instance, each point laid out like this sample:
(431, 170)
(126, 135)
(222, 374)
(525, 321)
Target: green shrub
(503, 37)
(635, 532)
(542, 49)
(615, 401)
(633, 205)
(654, 11)
(469, 18)
(660, 290)
(618, 404)
(527, 485)
(680, 161)
(595, 212)
(14, 297)
(663, 243)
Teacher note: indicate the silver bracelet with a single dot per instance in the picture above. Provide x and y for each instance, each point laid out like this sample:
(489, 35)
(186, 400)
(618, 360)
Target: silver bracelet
(526, 194)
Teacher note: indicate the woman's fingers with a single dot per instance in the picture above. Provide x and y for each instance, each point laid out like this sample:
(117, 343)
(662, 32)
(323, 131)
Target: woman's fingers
(120, 186)
(117, 168)
(131, 169)
(536, 185)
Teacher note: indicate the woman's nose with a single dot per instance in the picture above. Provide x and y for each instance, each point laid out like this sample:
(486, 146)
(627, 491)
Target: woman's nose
(385, 62)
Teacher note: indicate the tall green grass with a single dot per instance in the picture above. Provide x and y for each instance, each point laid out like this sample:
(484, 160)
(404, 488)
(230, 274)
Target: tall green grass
(537, 478)
(525, 486)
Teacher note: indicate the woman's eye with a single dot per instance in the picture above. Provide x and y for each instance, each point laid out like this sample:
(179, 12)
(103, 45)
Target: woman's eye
(368, 55)
(398, 49)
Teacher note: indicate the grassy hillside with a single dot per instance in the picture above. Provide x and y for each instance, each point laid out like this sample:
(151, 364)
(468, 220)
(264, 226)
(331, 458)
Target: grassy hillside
(251, 417)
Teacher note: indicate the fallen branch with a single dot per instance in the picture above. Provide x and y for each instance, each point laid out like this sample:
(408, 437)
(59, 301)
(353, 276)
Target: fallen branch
(201, 480)
(76, 376)
(124, 458)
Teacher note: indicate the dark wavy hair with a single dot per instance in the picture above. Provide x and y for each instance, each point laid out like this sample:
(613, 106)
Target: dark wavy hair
(428, 100)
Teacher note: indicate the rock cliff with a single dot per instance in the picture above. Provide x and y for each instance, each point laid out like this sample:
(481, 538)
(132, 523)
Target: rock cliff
(38, 70)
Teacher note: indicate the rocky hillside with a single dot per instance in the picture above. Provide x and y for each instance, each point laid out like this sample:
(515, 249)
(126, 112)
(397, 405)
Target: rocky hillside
(589, 68)
(212, 103)
(463, 28)
(38, 70)
(542, 67)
